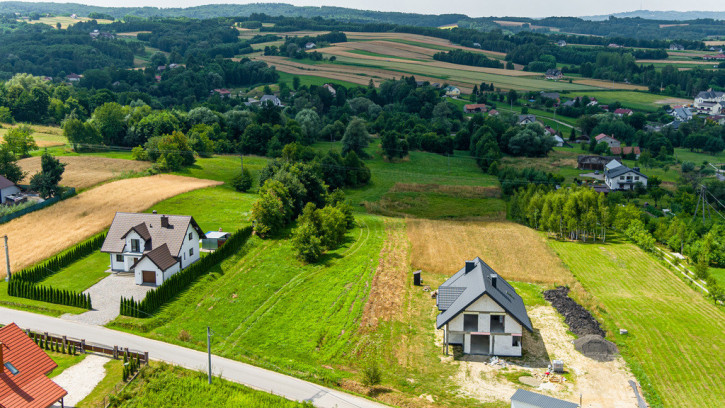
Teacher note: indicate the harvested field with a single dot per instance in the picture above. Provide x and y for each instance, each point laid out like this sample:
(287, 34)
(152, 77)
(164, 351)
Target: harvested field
(714, 43)
(609, 85)
(673, 101)
(579, 320)
(438, 44)
(86, 171)
(77, 218)
(515, 252)
(45, 136)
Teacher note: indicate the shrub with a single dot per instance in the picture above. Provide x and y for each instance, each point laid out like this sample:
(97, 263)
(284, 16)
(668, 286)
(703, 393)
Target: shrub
(372, 375)
(242, 182)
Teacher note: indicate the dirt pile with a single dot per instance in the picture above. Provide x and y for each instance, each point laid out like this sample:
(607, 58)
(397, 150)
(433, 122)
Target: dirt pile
(579, 320)
(595, 347)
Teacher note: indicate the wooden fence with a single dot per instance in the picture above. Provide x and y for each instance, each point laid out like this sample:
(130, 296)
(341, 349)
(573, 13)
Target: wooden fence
(82, 346)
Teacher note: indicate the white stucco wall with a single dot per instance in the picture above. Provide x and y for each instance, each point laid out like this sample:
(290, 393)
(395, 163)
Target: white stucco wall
(511, 326)
(484, 304)
(7, 191)
(192, 243)
(614, 183)
(146, 265)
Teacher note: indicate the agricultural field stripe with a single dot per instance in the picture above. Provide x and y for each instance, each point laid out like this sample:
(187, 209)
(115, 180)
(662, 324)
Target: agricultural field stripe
(251, 376)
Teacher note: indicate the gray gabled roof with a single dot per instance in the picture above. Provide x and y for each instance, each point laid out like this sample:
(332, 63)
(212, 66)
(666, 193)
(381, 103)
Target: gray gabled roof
(173, 235)
(540, 401)
(465, 287)
(620, 170)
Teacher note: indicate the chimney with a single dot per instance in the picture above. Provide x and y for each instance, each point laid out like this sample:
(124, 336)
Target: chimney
(164, 221)
(494, 278)
(470, 265)
(153, 212)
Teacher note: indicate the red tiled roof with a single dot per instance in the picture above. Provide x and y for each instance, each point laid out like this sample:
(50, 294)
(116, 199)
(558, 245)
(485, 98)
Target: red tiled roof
(602, 136)
(623, 111)
(473, 106)
(29, 388)
(625, 150)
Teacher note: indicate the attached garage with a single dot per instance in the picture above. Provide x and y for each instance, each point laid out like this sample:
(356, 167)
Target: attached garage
(149, 276)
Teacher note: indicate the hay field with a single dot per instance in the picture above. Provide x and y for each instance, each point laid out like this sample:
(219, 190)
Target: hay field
(438, 44)
(86, 171)
(41, 234)
(676, 62)
(65, 22)
(45, 136)
(514, 251)
(714, 43)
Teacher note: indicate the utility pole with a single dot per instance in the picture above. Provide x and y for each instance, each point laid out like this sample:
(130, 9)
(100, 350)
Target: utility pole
(208, 348)
(7, 258)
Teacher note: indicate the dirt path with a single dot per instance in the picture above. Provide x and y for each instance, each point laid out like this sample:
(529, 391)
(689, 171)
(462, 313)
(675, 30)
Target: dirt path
(388, 287)
(601, 384)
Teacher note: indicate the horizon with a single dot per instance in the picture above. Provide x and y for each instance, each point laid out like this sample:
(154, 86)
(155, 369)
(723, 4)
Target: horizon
(514, 8)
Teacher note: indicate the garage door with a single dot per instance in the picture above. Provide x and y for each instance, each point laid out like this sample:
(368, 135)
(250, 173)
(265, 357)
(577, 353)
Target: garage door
(149, 277)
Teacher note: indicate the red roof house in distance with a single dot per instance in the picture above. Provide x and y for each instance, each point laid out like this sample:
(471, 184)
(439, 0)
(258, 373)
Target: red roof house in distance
(623, 112)
(25, 366)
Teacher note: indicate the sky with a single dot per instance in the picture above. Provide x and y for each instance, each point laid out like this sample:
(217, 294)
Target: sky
(473, 8)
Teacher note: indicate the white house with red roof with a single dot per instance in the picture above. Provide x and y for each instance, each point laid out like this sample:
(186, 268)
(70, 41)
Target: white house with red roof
(623, 112)
(609, 140)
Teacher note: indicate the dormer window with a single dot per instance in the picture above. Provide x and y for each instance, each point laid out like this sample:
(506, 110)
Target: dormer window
(135, 245)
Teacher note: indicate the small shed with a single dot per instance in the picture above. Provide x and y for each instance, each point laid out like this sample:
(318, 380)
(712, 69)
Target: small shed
(215, 239)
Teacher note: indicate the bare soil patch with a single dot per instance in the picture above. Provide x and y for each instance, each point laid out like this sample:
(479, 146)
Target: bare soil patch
(84, 171)
(673, 101)
(579, 320)
(41, 234)
(514, 251)
(601, 384)
(388, 287)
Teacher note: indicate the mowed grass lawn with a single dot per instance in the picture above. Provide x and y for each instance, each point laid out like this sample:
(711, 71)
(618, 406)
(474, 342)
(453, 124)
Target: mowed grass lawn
(267, 307)
(675, 334)
(632, 99)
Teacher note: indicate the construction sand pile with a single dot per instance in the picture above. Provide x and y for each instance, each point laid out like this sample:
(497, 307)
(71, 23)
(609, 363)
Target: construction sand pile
(579, 320)
(596, 347)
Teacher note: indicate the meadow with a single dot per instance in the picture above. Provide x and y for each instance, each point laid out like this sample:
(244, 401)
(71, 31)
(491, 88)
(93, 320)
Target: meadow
(632, 99)
(159, 385)
(675, 343)
(45, 136)
(65, 21)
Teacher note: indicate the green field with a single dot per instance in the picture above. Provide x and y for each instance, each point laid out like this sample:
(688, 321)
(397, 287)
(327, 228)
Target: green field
(313, 80)
(417, 168)
(675, 334)
(375, 54)
(719, 275)
(697, 158)
(223, 168)
(638, 100)
(81, 274)
(212, 208)
(162, 385)
(293, 318)
(436, 206)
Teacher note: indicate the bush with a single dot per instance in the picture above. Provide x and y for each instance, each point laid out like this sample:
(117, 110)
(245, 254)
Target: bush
(242, 182)
(372, 375)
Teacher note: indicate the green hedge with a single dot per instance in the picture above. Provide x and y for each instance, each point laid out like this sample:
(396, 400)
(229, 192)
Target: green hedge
(183, 279)
(43, 270)
(30, 290)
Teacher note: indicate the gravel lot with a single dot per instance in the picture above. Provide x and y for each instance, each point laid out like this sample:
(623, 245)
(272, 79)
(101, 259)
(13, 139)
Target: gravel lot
(106, 299)
(80, 379)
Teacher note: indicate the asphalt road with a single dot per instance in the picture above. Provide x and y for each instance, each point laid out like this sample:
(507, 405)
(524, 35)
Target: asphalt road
(251, 376)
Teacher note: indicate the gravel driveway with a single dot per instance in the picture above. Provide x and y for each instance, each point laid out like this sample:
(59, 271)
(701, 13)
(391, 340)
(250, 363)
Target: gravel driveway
(79, 380)
(106, 298)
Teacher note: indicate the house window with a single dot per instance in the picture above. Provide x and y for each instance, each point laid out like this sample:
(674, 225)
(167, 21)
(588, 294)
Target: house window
(621, 177)
(191, 251)
(470, 323)
(636, 177)
(135, 245)
(119, 258)
(190, 236)
(515, 341)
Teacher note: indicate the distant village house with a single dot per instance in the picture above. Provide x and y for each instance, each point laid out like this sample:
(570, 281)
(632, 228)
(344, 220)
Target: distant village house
(620, 177)
(553, 74)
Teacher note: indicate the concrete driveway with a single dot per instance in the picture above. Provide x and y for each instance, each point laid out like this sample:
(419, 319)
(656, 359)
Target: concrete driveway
(106, 298)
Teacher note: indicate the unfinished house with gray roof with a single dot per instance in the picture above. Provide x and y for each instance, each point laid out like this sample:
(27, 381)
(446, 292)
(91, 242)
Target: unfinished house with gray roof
(152, 246)
(481, 312)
